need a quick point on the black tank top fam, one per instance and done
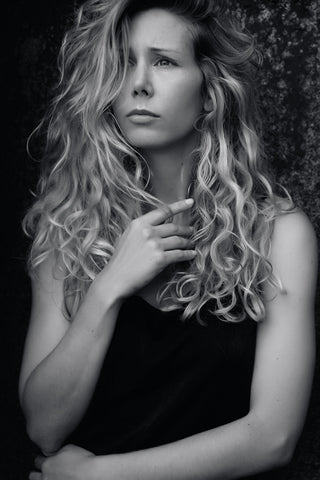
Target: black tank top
(164, 379)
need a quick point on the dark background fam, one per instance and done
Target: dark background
(288, 35)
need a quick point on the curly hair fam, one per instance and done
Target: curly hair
(94, 183)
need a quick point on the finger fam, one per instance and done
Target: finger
(170, 229)
(174, 243)
(35, 476)
(172, 256)
(159, 215)
(38, 461)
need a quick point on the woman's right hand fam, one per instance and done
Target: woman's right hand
(147, 246)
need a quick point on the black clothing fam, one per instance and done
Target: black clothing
(164, 379)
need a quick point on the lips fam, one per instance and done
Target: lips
(142, 112)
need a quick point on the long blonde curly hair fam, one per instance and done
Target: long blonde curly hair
(94, 183)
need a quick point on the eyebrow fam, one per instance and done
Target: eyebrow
(155, 49)
(158, 50)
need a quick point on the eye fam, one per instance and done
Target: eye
(165, 62)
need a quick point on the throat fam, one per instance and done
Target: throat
(149, 293)
(171, 173)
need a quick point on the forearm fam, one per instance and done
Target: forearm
(59, 389)
(240, 448)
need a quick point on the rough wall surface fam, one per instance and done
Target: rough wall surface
(287, 33)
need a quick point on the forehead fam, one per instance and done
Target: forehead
(160, 28)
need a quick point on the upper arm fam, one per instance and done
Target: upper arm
(285, 351)
(47, 323)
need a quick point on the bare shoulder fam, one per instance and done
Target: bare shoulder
(293, 230)
(294, 251)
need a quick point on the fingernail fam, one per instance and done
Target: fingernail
(189, 201)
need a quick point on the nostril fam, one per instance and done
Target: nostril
(142, 91)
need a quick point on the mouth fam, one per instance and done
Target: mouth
(142, 113)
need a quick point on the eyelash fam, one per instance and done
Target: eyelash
(162, 59)
(166, 60)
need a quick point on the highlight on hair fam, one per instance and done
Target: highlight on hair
(93, 182)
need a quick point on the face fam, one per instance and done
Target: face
(162, 78)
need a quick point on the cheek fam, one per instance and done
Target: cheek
(186, 103)
(118, 108)
(120, 103)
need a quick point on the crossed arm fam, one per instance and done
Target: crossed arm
(282, 379)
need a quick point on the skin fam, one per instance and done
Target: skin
(168, 83)
(59, 372)
(62, 360)
(266, 437)
(65, 359)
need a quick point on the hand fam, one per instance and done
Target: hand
(70, 463)
(147, 246)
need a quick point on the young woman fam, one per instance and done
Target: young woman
(171, 332)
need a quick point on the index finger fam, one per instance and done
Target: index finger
(159, 215)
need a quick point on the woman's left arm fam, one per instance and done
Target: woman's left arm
(266, 437)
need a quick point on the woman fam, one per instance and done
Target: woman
(170, 337)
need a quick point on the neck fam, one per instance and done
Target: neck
(171, 171)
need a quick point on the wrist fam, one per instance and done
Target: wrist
(110, 467)
(90, 470)
(105, 292)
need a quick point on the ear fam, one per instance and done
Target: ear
(208, 104)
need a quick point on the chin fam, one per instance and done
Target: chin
(145, 141)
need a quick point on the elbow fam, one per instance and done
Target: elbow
(278, 447)
(282, 448)
(45, 440)
(275, 444)
(41, 432)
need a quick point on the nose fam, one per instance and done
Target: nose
(141, 81)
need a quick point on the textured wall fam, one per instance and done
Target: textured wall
(288, 36)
